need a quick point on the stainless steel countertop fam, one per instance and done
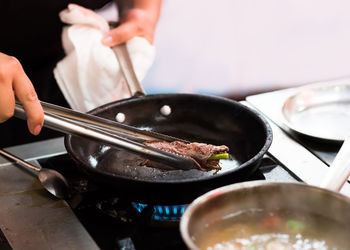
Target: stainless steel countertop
(30, 218)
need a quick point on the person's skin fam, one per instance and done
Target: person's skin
(140, 20)
(14, 82)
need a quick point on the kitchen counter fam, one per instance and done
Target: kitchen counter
(30, 218)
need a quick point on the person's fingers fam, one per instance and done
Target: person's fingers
(136, 22)
(26, 94)
(121, 34)
(7, 99)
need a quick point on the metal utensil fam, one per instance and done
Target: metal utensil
(107, 125)
(339, 170)
(51, 180)
(79, 124)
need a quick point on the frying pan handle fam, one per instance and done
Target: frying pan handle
(123, 56)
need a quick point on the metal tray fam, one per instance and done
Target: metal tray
(319, 112)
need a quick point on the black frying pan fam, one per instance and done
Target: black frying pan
(196, 118)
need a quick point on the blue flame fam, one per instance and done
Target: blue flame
(172, 212)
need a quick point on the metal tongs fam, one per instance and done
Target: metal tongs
(113, 133)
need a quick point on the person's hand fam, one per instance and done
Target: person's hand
(14, 82)
(141, 20)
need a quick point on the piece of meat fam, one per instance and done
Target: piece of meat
(198, 152)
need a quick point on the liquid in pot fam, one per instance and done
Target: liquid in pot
(278, 230)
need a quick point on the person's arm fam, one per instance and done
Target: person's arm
(140, 19)
(14, 82)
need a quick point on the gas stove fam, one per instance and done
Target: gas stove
(94, 218)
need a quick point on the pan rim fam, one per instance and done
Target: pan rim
(293, 99)
(260, 118)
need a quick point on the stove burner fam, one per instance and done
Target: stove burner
(163, 213)
(130, 211)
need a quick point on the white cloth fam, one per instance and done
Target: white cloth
(89, 75)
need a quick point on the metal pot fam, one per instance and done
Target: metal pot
(223, 202)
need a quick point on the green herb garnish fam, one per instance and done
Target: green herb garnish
(219, 156)
(295, 225)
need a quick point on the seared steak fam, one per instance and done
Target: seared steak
(198, 152)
